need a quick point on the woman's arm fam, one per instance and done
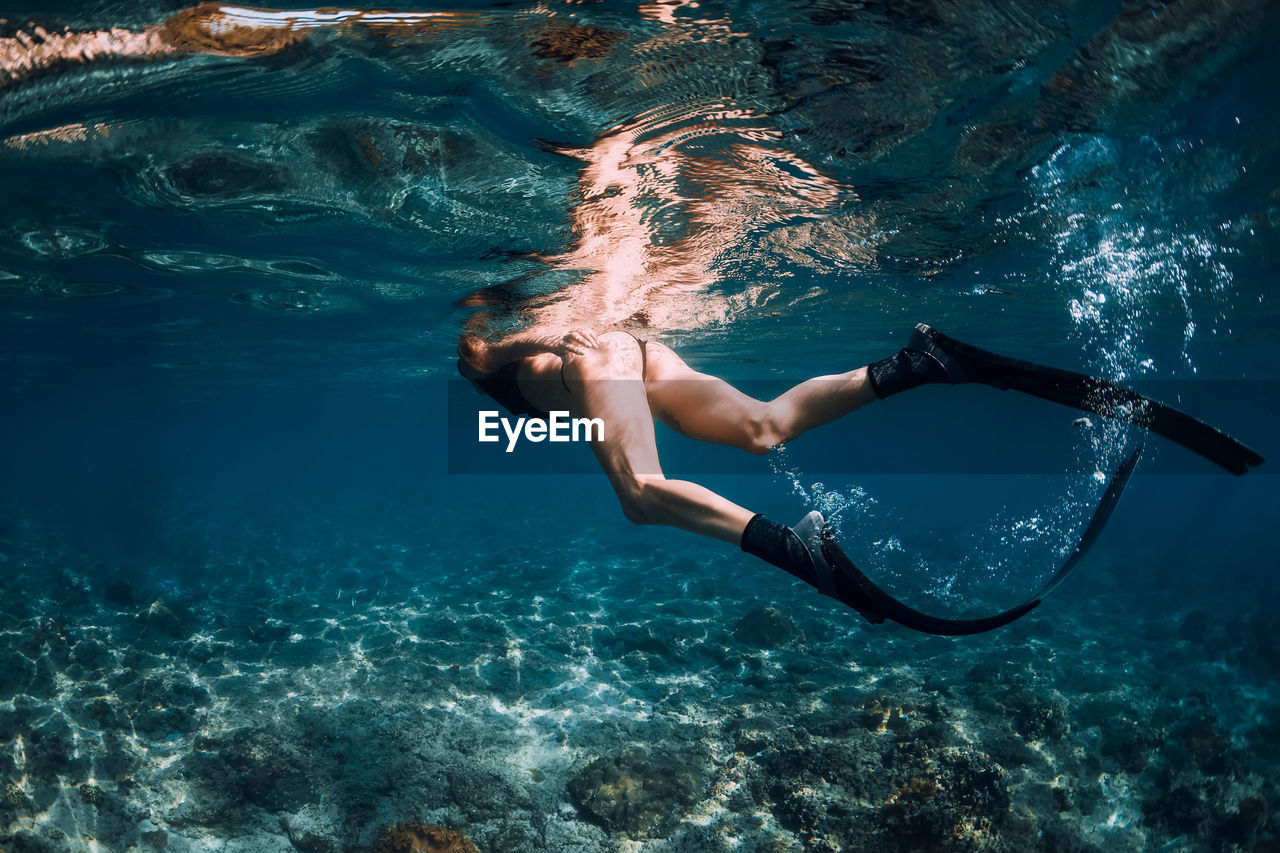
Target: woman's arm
(489, 357)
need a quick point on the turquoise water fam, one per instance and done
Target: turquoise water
(262, 590)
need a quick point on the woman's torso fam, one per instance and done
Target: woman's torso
(536, 385)
(541, 381)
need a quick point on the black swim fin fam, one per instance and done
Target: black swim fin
(839, 578)
(966, 363)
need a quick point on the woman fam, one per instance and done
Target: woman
(626, 382)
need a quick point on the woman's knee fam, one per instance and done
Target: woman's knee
(764, 429)
(641, 499)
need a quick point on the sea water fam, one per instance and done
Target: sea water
(263, 589)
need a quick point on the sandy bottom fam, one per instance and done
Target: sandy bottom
(303, 696)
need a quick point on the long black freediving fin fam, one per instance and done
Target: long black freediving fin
(851, 585)
(1101, 515)
(967, 363)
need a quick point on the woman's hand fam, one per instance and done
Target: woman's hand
(476, 354)
(485, 358)
(576, 342)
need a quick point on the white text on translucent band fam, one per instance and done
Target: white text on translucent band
(557, 426)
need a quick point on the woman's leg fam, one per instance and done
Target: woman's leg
(606, 384)
(709, 409)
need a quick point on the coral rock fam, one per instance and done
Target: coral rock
(635, 792)
(765, 628)
(418, 837)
